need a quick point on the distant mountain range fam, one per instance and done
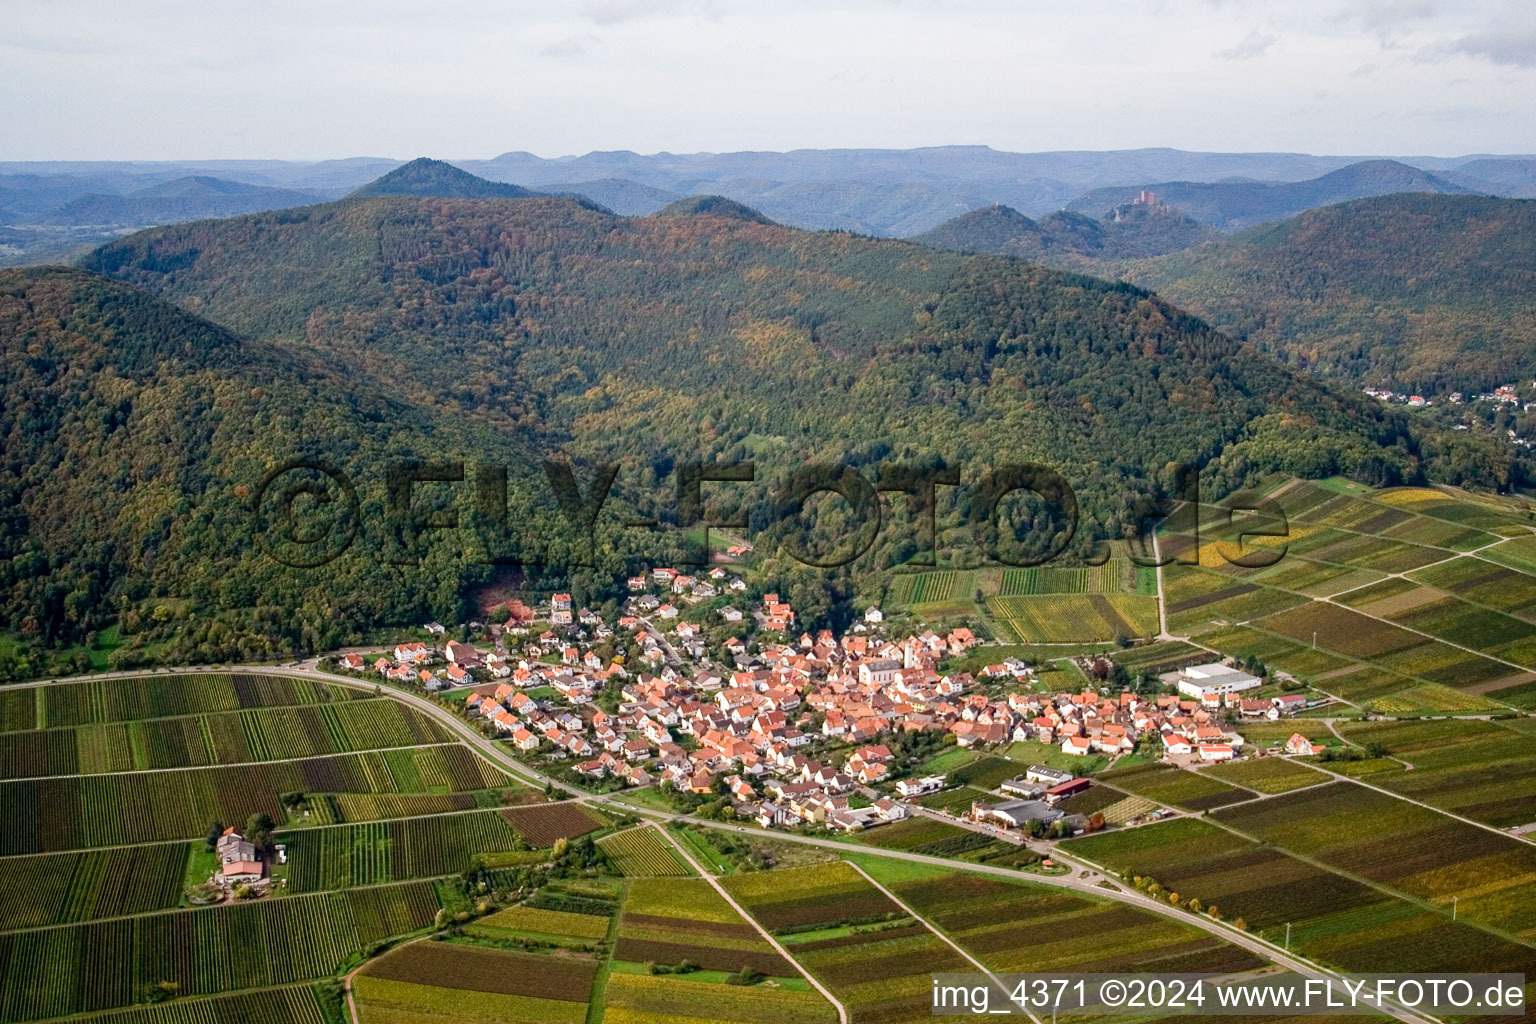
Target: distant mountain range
(1423, 293)
(180, 199)
(1066, 239)
(881, 192)
(1232, 205)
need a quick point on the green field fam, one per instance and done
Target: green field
(1072, 618)
(642, 851)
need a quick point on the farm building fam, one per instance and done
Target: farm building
(1198, 680)
(1015, 813)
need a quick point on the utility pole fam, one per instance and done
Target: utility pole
(1455, 905)
(1287, 936)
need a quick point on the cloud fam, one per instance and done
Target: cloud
(1516, 49)
(570, 46)
(1255, 44)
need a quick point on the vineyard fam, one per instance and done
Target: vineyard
(95, 701)
(77, 968)
(1115, 576)
(1335, 920)
(63, 887)
(542, 824)
(1068, 618)
(642, 851)
(341, 856)
(75, 812)
(291, 1005)
(262, 734)
(453, 981)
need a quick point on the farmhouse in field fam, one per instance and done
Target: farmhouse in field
(239, 863)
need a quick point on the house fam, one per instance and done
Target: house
(1081, 746)
(890, 810)
(873, 614)
(462, 655)
(917, 787)
(1299, 744)
(1289, 703)
(560, 610)
(1217, 752)
(410, 654)
(354, 662)
(239, 862)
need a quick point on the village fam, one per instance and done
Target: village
(811, 731)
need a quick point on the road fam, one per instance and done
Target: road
(500, 758)
(687, 855)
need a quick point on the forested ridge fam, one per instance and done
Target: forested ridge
(1421, 293)
(500, 331)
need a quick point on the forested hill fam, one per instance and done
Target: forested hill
(1424, 293)
(135, 435)
(1070, 240)
(659, 339)
(427, 177)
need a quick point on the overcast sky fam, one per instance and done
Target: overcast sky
(163, 79)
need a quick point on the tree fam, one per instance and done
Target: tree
(258, 831)
(1240, 925)
(214, 832)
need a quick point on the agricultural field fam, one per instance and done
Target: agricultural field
(986, 772)
(81, 811)
(851, 937)
(1115, 576)
(680, 999)
(642, 851)
(342, 856)
(230, 737)
(524, 920)
(801, 899)
(926, 836)
(1411, 849)
(672, 920)
(1480, 770)
(1454, 636)
(956, 801)
(290, 1005)
(921, 588)
(1157, 658)
(1268, 774)
(1334, 920)
(65, 705)
(1074, 618)
(1013, 926)
(1193, 791)
(108, 964)
(451, 982)
(542, 824)
(61, 888)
